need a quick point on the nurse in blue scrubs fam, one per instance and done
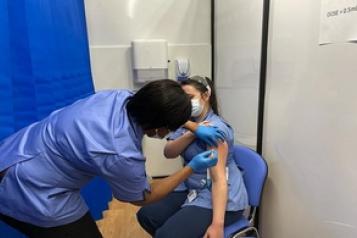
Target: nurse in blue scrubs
(44, 166)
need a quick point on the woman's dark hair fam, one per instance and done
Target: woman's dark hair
(161, 103)
(201, 84)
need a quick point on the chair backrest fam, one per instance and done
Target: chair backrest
(254, 170)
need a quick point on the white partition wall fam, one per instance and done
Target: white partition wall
(238, 28)
(113, 24)
(310, 129)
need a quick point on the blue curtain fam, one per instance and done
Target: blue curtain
(44, 65)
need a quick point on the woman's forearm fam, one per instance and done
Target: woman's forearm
(190, 125)
(219, 201)
(174, 148)
(219, 186)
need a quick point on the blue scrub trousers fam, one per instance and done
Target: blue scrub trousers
(167, 219)
(84, 227)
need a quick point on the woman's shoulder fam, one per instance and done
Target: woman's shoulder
(220, 123)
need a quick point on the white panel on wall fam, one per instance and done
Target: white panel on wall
(113, 24)
(238, 27)
(238, 108)
(310, 129)
(111, 67)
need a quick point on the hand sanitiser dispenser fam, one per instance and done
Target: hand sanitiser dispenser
(182, 69)
(150, 60)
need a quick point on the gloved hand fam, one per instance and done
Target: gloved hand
(211, 135)
(203, 160)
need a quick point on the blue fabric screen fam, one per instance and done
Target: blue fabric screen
(44, 65)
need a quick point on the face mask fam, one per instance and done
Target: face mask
(196, 107)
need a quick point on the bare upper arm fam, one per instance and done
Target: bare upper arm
(219, 171)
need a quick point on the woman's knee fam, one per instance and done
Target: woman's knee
(163, 232)
(145, 220)
(142, 216)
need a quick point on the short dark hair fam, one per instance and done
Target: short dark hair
(200, 83)
(161, 103)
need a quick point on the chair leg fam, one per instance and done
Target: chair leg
(256, 231)
(252, 228)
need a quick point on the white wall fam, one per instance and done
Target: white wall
(238, 27)
(310, 129)
(113, 24)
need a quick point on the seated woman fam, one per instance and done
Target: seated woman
(209, 199)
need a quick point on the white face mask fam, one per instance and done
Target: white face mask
(196, 107)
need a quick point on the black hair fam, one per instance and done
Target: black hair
(161, 103)
(201, 84)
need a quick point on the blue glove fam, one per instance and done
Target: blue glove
(211, 135)
(203, 160)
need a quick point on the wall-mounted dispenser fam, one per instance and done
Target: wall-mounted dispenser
(150, 60)
(182, 68)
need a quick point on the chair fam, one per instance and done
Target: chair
(254, 170)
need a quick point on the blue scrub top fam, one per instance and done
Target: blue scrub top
(49, 161)
(237, 194)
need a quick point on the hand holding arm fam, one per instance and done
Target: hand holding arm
(211, 135)
(203, 160)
